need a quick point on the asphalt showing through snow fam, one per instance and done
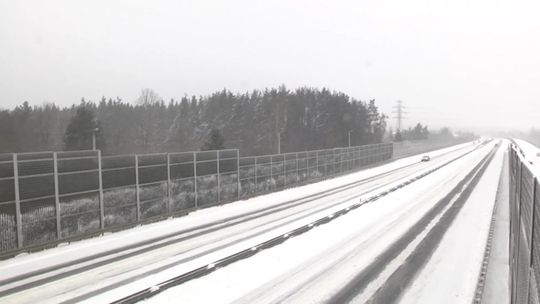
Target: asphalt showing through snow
(393, 288)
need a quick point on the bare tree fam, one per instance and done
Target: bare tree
(148, 97)
(147, 124)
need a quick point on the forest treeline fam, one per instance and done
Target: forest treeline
(418, 132)
(304, 119)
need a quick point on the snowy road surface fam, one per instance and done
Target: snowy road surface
(315, 267)
(308, 267)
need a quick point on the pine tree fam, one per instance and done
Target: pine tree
(398, 136)
(80, 130)
(215, 141)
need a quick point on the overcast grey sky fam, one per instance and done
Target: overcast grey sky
(461, 63)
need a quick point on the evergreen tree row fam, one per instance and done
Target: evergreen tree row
(303, 119)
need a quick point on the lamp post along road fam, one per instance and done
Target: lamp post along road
(279, 143)
(94, 138)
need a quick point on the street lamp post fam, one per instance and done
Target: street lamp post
(279, 143)
(94, 138)
(350, 138)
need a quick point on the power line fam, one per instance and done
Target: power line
(399, 111)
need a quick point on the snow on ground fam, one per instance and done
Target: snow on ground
(311, 267)
(532, 154)
(496, 289)
(452, 273)
(30, 262)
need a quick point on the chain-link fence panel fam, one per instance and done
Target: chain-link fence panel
(263, 174)
(119, 180)
(77, 177)
(8, 214)
(50, 196)
(228, 175)
(182, 176)
(36, 185)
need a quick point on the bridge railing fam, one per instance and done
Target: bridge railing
(52, 197)
(524, 230)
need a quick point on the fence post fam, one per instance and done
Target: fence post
(340, 161)
(334, 161)
(325, 164)
(297, 174)
(238, 174)
(271, 173)
(100, 181)
(218, 181)
(317, 163)
(137, 187)
(195, 178)
(349, 166)
(169, 209)
(256, 177)
(17, 201)
(56, 195)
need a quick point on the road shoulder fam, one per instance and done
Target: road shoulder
(496, 289)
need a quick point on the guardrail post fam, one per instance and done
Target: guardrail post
(238, 188)
(218, 179)
(195, 178)
(137, 187)
(169, 200)
(56, 195)
(100, 181)
(17, 201)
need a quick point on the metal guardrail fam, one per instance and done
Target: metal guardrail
(51, 197)
(524, 230)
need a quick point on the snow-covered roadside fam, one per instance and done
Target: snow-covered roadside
(532, 154)
(89, 247)
(310, 267)
(496, 288)
(452, 273)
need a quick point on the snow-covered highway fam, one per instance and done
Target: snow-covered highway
(352, 258)
(358, 257)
